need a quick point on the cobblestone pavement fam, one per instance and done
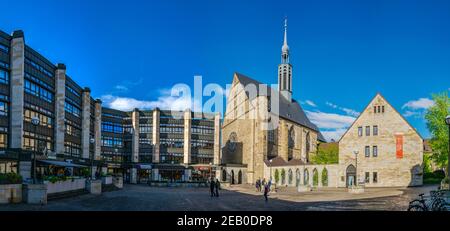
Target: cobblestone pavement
(142, 197)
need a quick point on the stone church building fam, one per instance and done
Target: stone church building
(263, 125)
(266, 133)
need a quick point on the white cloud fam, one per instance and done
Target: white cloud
(164, 101)
(121, 88)
(310, 103)
(420, 104)
(347, 111)
(412, 113)
(333, 134)
(331, 125)
(330, 120)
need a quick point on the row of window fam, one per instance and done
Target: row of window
(72, 109)
(4, 48)
(111, 115)
(3, 140)
(172, 142)
(3, 108)
(4, 77)
(171, 128)
(145, 128)
(108, 141)
(39, 109)
(37, 80)
(374, 151)
(72, 149)
(39, 67)
(36, 90)
(374, 177)
(32, 143)
(112, 127)
(4, 65)
(73, 91)
(202, 144)
(44, 120)
(374, 132)
(378, 109)
(202, 130)
(73, 131)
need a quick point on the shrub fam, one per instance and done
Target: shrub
(10, 178)
(283, 176)
(277, 176)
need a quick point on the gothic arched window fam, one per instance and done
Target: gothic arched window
(291, 138)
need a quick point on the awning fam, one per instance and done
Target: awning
(61, 163)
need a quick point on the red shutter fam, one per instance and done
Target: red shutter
(399, 146)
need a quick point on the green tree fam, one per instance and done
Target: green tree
(327, 153)
(283, 176)
(277, 176)
(435, 117)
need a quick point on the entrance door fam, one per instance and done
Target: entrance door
(350, 175)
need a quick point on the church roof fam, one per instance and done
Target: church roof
(279, 162)
(288, 110)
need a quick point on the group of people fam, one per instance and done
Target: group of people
(263, 185)
(214, 186)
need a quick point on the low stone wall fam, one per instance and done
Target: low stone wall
(10, 193)
(66, 186)
(35, 193)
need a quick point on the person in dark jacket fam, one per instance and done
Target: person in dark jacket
(217, 187)
(266, 192)
(212, 186)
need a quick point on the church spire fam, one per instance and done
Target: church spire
(285, 69)
(285, 48)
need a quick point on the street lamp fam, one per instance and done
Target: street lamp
(35, 122)
(92, 141)
(356, 167)
(447, 121)
(210, 171)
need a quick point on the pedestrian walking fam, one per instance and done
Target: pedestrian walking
(266, 192)
(212, 187)
(257, 185)
(217, 186)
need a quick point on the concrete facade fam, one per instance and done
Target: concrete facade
(187, 137)
(86, 123)
(17, 89)
(60, 99)
(155, 135)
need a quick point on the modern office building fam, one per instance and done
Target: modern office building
(74, 128)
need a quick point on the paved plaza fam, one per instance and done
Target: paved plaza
(237, 198)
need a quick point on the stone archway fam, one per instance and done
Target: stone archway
(290, 177)
(350, 175)
(224, 175)
(305, 177)
(325, 177)
(297, 177)
(240, 177)
(315, 177)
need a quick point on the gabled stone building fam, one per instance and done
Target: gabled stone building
(381, 149)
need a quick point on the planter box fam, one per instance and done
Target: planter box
(10, 193)
(66, 186)
(35, 193)
(107, 180)
(94, 186)
(118, 181)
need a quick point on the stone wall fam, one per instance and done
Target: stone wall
(391, 171)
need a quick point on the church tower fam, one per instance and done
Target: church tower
(285, 69)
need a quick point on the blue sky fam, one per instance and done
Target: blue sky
(343, 52)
